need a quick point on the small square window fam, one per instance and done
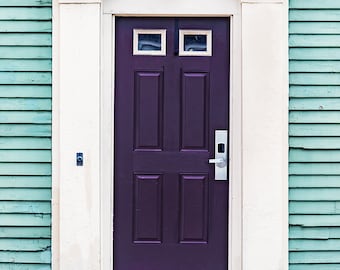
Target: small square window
(195, 42)
(149, 41)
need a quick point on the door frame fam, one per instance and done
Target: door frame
(107, 116)
(83, 41)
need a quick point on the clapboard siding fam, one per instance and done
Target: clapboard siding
(305, 66)
(25, 257)
(313, 181)
(25, 181)
(310, 129)
(314, 65)
(313, 195)
(25, 117)
(25, 91)
(314, 233)
(314, 78)
(25, 39)
(25, 65)
(313, 53)
(315, 168)
(314, 207)
(26, 26)
(25, 134)
(25, 232)
(316, 40)
(314, 4)
(313, 104)
(25, 52)
(25, 156)
(24, 13)
(303, 155)
(314, 267)
(16, 266)
(313, 15)
(312, 117)
(27, 207)
(25, 130)
(313, 91)
(314, 28)
(24, 244)
(25, 3)
(25, 143)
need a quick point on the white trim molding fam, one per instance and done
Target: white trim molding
(171, 8)
(76, 121)
(79, 1)
(83, 107)
(264, 136)
(107, 151)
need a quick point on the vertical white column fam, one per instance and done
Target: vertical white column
(265, 135)
(79, 131)
(107, 125)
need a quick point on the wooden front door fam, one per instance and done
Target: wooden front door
(171, 95)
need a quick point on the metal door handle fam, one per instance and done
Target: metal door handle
(216, 160)
(221, 155)
(220, 162)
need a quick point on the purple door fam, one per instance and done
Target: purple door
(171, 95)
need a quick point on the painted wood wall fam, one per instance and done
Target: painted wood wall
(314, 134)
(25, 134)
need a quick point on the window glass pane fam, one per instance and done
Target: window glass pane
(149, 42)
(195, 43)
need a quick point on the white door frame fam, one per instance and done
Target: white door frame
(107, 117)
(83, 41)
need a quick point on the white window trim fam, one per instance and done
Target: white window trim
(251, 244)
(161, 32)
(183, 32)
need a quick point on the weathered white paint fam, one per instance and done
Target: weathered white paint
(258, 231)
(79, 131)
(264, 136)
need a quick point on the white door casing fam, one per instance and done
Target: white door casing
(83, 83)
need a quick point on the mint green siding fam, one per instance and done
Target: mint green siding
(314, 41)
(25, 134)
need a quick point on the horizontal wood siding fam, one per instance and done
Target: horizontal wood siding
(314, 40)
(25, 134)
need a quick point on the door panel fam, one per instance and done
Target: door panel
(148, 203)
(148, 109)
(193, 209)
(194, 110)
(170, 213)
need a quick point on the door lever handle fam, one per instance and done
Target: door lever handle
(220, 162)
(221, 159)
(216, 160)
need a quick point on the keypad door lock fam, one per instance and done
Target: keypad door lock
(221, 155)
